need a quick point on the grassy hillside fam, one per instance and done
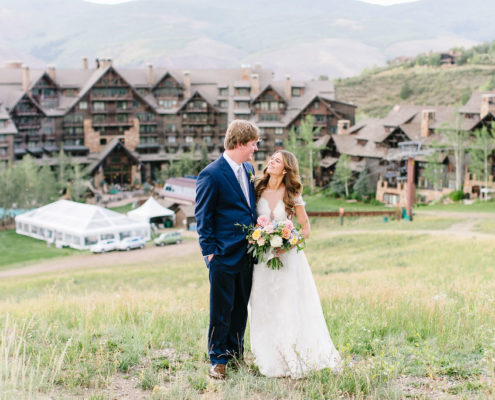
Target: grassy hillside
(376, 92)
(412, 315)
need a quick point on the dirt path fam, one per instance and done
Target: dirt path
(462, 229)
(149, 253)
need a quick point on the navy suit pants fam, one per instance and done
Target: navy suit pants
(230, 288)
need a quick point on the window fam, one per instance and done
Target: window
(47, 130)
(98, 106)
(296, 92)
(274, 105)
(269, 117)
(223, 103)
(99, 118)
(167, 103)
(3, 151)
(189, 139)
(103, 141)
(3, 138)
(316, 105)
(223, 91)
(260, 156)
(207, 139)
(242, 91)
(279, 142)
(242, 104)
(83, 105)
(172, 139)
(171, 128)
(279, 131)
(122, 105)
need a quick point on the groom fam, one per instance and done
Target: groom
(225, 197)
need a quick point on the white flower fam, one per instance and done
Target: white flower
(276, 241)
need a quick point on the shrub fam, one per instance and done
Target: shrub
(456, 195)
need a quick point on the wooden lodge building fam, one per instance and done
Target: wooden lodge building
(126, 125)
(379, 144)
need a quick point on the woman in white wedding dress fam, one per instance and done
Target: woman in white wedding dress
(289, 336)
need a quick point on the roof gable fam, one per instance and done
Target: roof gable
(268, 87)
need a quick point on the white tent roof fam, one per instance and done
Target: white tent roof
(79, 218)
(150, 209)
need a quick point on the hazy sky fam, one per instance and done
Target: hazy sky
(381, 2)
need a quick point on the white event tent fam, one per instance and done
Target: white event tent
(78, 225)
(151, 209)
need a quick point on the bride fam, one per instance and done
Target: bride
(289, 336)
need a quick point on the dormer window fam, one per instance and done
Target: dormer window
(296, 91)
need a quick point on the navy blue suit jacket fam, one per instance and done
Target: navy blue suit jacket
(220, 204)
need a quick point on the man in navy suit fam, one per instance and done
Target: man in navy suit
(225, 197)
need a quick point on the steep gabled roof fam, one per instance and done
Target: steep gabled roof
(102, 155)
(269, 86)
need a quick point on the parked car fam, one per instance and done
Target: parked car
(104, 246)
(168, 238)
(132, 243)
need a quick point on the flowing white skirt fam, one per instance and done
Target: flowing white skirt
(289, 336)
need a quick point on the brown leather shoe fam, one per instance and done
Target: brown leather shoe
(217, 371)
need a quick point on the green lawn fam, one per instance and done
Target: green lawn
(122, 209)
(320, 202)
(486, 226)
(412, 316)
(20, 249)
(478, 206)
(420, 222)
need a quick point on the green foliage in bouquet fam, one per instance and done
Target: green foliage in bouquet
(266, 237)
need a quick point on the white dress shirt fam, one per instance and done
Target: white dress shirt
(235, 167)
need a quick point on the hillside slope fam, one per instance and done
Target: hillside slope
(375, 93)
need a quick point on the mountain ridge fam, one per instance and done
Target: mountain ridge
(336, 38)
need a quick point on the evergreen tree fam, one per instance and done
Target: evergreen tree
(302, 144)
(456, 139)
(362, 186)
(342, 176)
(434, 171)
(481, 151)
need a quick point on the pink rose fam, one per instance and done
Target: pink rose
(263, 221)
(261, 241)
(268, 228)
(289, 224)
(286, 233)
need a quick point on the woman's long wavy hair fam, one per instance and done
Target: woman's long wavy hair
(291, 180)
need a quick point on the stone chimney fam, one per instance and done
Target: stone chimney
(109, 62)
(288, 88)
(187, 84)
(245, 72)
(25, 78)
(427, 118)
(150, 78)
(52, 72)
(343, 127)
(487, 104)
(13, 64)
(85, 62)
(255, 85)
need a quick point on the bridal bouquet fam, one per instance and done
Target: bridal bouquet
(267, 236)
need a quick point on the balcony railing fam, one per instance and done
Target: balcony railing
(113, 122)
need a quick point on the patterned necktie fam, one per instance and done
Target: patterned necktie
(241, 182)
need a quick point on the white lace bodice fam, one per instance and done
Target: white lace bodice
(277, 214)
(271, 204)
